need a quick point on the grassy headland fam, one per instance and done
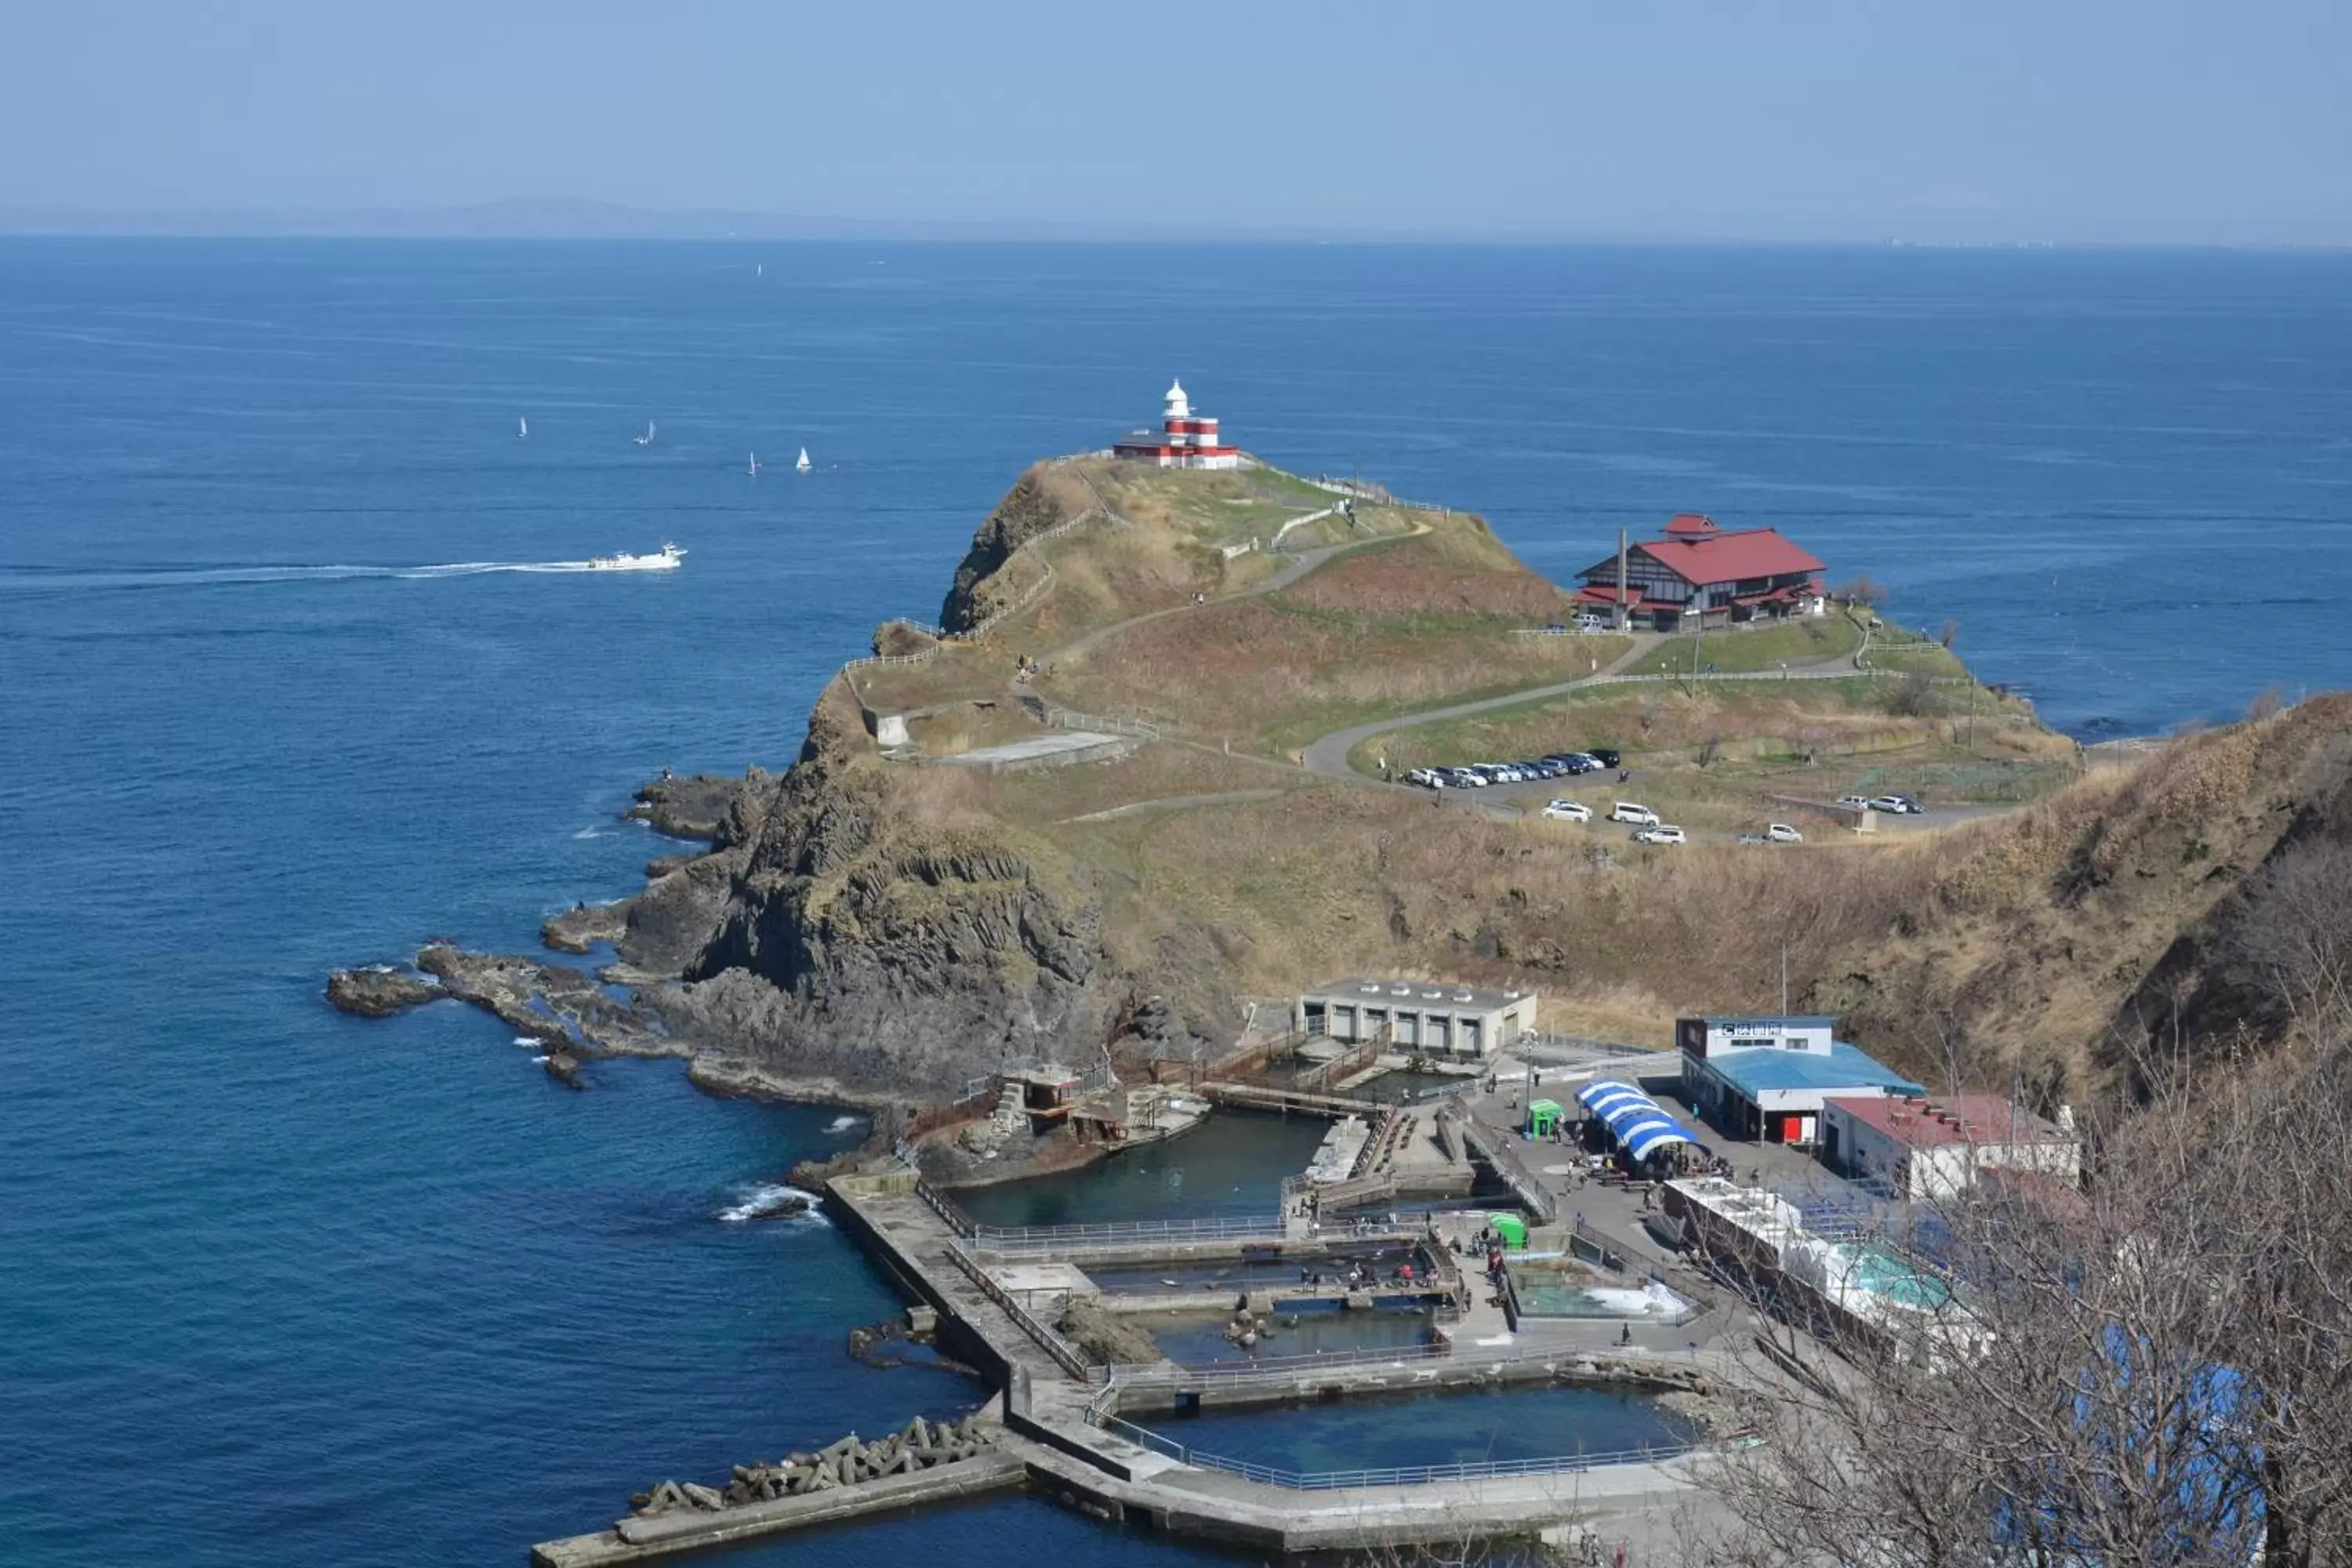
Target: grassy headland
(1042, 909)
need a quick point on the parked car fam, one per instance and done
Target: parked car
(1569, 811)
(1470, 778)
(1591, 624)
(1555, 629)
(1751, 838)
(1781, 833)
(1853, 801)
(1427, 778)
(1639, 816)
(1664, 833)
(1606, 757)
(1910, 803)
(1893, 804)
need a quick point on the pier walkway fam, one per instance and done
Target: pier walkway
(1065, 1430)
(1065, 1421)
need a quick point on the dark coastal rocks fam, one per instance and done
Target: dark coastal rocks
(666, 928)
(553, 1003)
(378, 991)
(1105, 1337)
(695, 807)
(1039, 501)
(781, 1205)
(582, 926)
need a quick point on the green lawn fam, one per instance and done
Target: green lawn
(1809, 640)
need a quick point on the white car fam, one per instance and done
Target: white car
(1569, 811)
(1664, 833)
(1893, 804)
(1853, 801)
(1639, 816)
(1781, 833)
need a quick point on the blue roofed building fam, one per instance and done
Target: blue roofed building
(1767, 1076)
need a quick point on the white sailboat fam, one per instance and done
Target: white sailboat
(647, 438)
(522, 429)
(666, 561)
(755, 465)
(803, 466)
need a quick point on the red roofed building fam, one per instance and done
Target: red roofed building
(1184, 439)
(1713, 575)
(1933, 1147)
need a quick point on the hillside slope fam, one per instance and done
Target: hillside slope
(880, 917)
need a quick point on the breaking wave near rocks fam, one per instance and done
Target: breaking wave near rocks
(771, 1200)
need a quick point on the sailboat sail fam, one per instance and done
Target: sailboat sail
(803, 464)
(522, 429)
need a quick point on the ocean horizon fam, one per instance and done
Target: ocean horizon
(305, 667)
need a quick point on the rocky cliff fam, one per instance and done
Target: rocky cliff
(844, 933)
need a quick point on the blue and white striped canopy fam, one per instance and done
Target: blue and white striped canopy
(1632, 1117)
(1592, 1095)
(1656, 1132)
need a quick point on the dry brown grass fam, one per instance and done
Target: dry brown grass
(1389, 629)
(2003, 947)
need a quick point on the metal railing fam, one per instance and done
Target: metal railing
(1393, 1476)
(1581, 1046)
(1290, 1369)
(1048, 1339)
(945, 1207)
(1069, 719)
(1068, 1238)
(1496, 1146)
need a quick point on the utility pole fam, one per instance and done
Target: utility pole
(1784, 981)
(1623, 616)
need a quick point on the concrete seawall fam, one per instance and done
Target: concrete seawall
(637, 1540)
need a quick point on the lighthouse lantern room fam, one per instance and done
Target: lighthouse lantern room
(1184, 439)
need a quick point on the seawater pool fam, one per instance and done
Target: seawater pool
(1275, 1274)
(1194, 1341)
(1463, 1426)
(1232, 1164)
(1883, 1274)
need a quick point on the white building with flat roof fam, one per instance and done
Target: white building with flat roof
(1418, 1017)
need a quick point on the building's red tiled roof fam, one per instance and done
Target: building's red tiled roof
(1606, 594)
(1730, 557)
(1691, 525)
(1952, 1118)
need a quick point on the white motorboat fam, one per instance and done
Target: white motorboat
(666, 560)
(522, 429)
(803, 466)
(647, 438)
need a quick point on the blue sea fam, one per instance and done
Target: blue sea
(293, 673)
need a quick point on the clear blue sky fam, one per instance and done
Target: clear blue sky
(2124, 120)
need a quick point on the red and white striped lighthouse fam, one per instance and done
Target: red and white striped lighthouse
(1184, 439)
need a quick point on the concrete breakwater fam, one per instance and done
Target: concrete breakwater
(1062, 1434)
(919, 1464)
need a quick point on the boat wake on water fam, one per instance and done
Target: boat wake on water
(667, 559)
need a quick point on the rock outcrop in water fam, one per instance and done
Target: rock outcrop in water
(378, 991)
